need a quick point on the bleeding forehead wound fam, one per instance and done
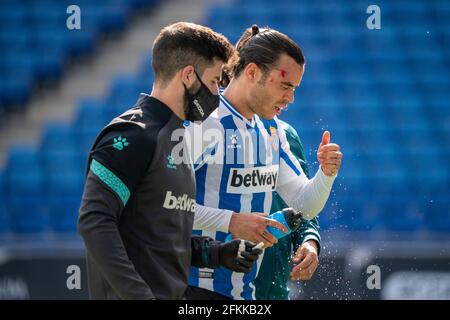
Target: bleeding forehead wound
(283, 73)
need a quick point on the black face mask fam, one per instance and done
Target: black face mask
(200, 104)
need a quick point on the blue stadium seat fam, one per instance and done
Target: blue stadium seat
(28, 214)
(37, 67)
(124, 93)
(87, 137)
(13, 15)
(64, 42)
(15, 90)
(91, 114)
(49, 13)
(402, 214)
(35, 41)
(24, 174)
(20, 62)
(67, 183)
(437, 213)
(5, 218)
(353, 214)
(63, 214)
(107, 16)
(16, 39)
(62, 153)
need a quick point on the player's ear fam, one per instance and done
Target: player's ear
(251, 71)
(187, 75)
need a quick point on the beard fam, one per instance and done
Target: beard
(258, 103)
(185, 103)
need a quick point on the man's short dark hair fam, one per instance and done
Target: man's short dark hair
(182, 44)
(262, 47)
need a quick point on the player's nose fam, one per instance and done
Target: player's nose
(289, 97)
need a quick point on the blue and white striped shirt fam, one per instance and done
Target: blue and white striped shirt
(239, 164)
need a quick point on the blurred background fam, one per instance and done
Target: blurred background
(384, 95)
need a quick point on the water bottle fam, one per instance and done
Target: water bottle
(290, 218)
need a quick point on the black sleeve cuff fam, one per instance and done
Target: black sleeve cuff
(205, 252)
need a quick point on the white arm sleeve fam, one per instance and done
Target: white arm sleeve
(201, 141)
(201, 144)
(308, 196)
(212, 219)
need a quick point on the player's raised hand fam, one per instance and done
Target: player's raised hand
(329, 156)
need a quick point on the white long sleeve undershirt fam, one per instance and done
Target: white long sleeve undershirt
(308, 196)
(212, 219)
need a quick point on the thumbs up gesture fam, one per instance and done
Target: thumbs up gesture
(329, 156)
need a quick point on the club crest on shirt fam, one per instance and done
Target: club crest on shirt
(234, 143)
